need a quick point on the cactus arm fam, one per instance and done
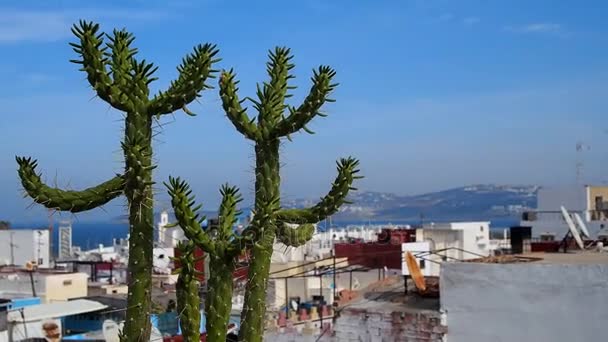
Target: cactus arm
(182, 202)
(218, 301)
(278, 70)
(194, 71)
(228, 211)
(347, 173)
(295, 237)
(271, 97)
(63, 200)
(298, 118)
(94, 60)
(232, 106)
(188, 300)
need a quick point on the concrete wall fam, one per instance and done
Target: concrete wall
(61, 287)
(573, 198)
(49, 287)
(27, 245)
(524, 302)
(383, 326)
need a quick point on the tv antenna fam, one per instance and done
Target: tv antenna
(580, 148)
(12, 245)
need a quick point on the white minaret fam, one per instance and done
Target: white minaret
(164, 221)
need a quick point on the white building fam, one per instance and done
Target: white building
(474, 238)
(50, 287)
(590, 202)
(21, 246)
(65, 240)
(169, 237)
(322, 243)
(448, 242)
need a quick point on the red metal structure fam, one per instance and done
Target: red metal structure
(385, 252)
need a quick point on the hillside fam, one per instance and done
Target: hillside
(477, 202)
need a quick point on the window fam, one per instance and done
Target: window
(161, 256)
(481, 229)
(67, 282)
(422, 264)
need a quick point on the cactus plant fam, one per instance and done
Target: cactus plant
(270, 221)
(221, 244)
(123, 82)
(188, 300)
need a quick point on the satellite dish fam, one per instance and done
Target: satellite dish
(573, 230)
(415, 272)
(582, 225)
(110, 331)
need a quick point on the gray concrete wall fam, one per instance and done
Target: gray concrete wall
(525, 302)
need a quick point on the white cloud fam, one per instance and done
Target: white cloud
(471, 20)
(48, 26)
(544, 28)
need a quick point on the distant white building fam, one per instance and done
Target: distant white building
(448, 242)
(168, 237)
(65, 240)
(590, 202)
(21, 246)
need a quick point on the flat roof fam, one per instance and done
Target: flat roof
(571, 258)
(54, 310)
(390, 297)
(16, 295)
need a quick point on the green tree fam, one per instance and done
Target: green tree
(121, 80)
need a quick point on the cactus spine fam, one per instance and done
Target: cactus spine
(270, 221)
(123, 82)
(221, 244)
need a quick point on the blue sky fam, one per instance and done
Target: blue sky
(434, 94)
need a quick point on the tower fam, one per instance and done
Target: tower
(162, 229)
(65, 240)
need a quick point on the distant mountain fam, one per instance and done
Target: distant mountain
(474, 202)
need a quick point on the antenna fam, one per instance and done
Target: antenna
(580, 164)
(12, 245)
(51, 224)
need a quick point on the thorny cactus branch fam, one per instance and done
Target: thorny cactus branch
(298, 118)
(329, 205)
(188, 300)
(219, 242)
(232, 106)
(94, 61)
(194, 71)
(295, 237)
(270, 222)
(278, 69)
(126, 87)
(187, 217)
(64, 200)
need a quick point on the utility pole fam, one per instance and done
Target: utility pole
(12, 245)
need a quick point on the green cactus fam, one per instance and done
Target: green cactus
(221, 244)
(123, 82)
(270, 221)
(188, 300)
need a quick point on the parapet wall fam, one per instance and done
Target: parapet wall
(370, 325)
(525, 301)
